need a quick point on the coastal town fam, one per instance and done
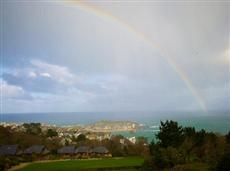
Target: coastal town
(22, 143)
(27, 142)
(96, 131)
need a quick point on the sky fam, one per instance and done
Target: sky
(71, 56)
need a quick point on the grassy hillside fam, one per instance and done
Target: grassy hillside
(73, 165)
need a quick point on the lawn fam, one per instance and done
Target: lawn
(120, 164)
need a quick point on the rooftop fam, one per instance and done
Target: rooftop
(66, 150)
(36, 149)
(8, 149)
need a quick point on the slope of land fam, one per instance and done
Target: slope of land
(120, 164)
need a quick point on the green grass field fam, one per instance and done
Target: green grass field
(121, 164)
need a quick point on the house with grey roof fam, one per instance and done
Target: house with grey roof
(36, 149)
(83, 151)
(101, 151)
(8, 150)
(67, 150)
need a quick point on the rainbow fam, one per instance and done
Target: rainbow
(109, 17)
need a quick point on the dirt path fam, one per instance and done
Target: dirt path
(21, 165)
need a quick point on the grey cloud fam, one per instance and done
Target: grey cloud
(12, 92)
(80, 55)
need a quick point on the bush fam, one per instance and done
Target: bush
(51, 133)
(148, 165)
(163, 158)
(191, 167)
(224, 163)
(7, 162)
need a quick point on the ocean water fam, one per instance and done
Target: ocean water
(218, 122)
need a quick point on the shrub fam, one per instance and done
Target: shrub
(223, 164)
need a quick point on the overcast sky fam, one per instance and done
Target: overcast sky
(61, 56)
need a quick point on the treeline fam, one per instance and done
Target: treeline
(183, 148)
(32, 135)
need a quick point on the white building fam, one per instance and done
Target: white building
(132, 140)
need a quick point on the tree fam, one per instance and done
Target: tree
(227, 137)
(51, 133)
(177, 146)
(153, 147)
(80, 138)
(189, 132)
(141, 146)
(33, 128)
(170, 134)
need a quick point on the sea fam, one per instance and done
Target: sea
(215, 121)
